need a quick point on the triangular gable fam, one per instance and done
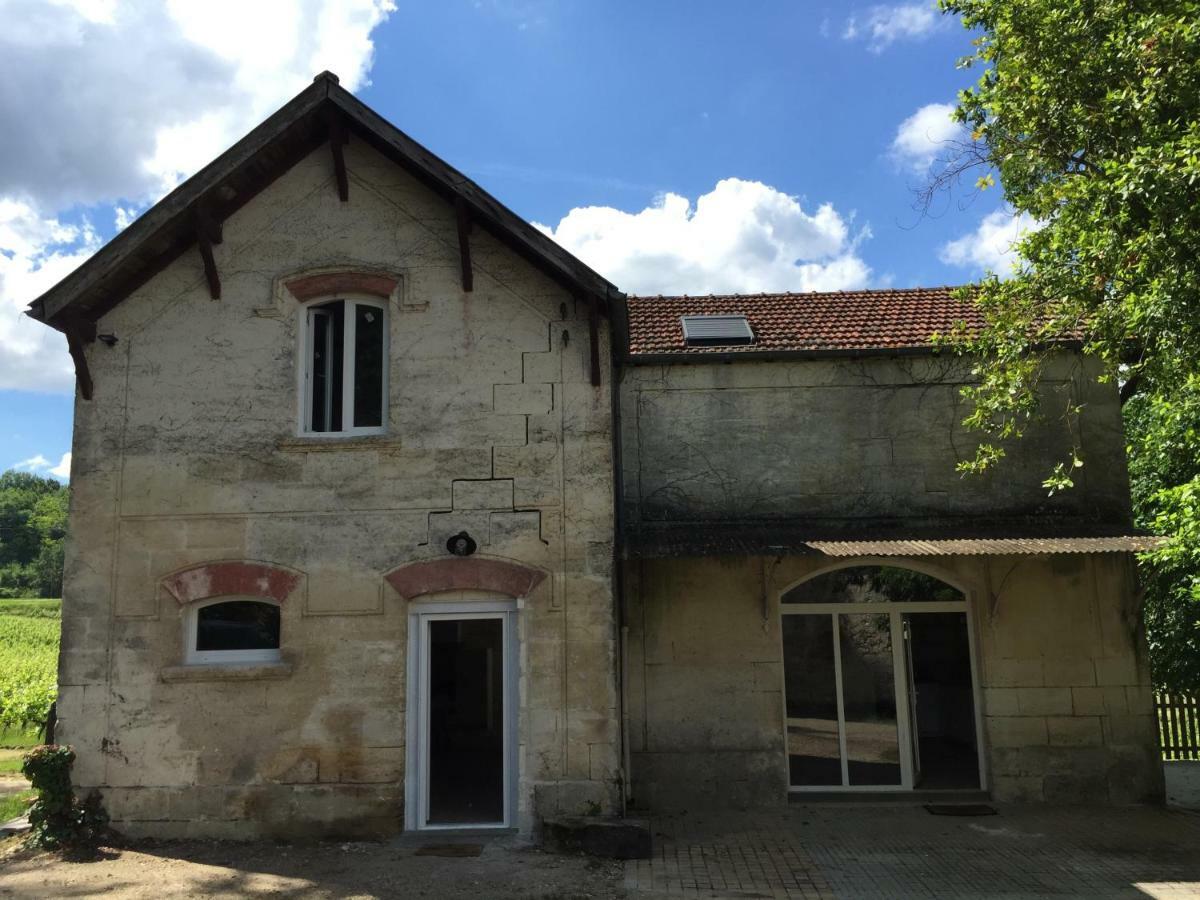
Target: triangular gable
(191, 215)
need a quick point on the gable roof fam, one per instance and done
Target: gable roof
(830, 322)
(222, 187)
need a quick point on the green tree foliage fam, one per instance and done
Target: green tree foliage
(33, 523)
(1089, 110)
(1164, 469)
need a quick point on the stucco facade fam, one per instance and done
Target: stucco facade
(188, 455)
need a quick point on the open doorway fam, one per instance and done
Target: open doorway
(466, 721)
(461, 715)
(942, 701)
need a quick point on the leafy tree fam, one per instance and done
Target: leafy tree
(33, 524)
(1089, 111)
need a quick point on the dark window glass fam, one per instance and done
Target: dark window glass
(872, 584)
(869, 699)
(814, 751)
(368, 366)
(328, 328)
(237, 625)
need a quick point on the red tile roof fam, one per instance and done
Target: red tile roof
(841, 320)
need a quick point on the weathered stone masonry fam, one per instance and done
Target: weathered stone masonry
(192, 481)
(849, 444)
(186, 457)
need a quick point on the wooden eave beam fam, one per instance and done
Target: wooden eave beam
(205, 232)
(338, 138)
(111, 292)
(208, 224)
(106, 275)
(463, 217)
(485, 209)
(80, 332)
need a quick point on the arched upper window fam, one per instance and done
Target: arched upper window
(233, 630)
(873, 584)
(344, 358)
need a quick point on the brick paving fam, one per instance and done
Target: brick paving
(901, 851)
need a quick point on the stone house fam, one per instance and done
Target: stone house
(387, 513)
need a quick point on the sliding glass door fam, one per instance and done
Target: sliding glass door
(856, 719)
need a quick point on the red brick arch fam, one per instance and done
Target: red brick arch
(229, 578)
(472, 573)
(349, 281)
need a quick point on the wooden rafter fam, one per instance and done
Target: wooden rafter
(208, 225)
(338, 138)
(80, 332)
(204, 242)
(463, 216)
(168, 230)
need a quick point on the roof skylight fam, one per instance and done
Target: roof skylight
(716, 331)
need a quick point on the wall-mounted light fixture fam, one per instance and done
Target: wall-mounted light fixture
(462, 544)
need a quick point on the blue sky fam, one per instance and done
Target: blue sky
(798, 109)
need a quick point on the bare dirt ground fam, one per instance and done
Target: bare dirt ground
(262, 869)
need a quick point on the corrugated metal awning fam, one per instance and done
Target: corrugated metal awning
(993, 546)
(663, 540)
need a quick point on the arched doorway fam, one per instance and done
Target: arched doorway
(879, 682)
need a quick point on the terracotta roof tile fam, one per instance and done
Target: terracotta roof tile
(842, 320)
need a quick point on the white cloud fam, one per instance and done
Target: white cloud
(32, 464)
(35, 253)
(123, 215)
(925, 135)
(990, 246)
(742, 236)
(115, 103)
(63, 469)
(39, 465)
(882, 25)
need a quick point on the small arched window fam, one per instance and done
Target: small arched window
(233, 630)
(343, 351)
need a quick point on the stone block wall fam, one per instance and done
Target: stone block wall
(851, 442)
(189, 454)
(1069, 711)
(1065, 701)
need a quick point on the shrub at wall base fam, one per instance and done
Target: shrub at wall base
(57, 819)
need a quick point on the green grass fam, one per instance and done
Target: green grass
(32, 608)
(13, 805)
(18, 738)
(29, 632)
(10, 762)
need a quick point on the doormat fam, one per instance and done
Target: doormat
(458, 850)
(960, 809)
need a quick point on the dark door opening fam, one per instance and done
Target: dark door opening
(946, 755)
(466, 721)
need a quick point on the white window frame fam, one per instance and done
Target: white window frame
(416, 776)
(895, 610)
(191, 622)
(304, 375)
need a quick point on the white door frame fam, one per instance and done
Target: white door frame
(904, 727)
(416, 769)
